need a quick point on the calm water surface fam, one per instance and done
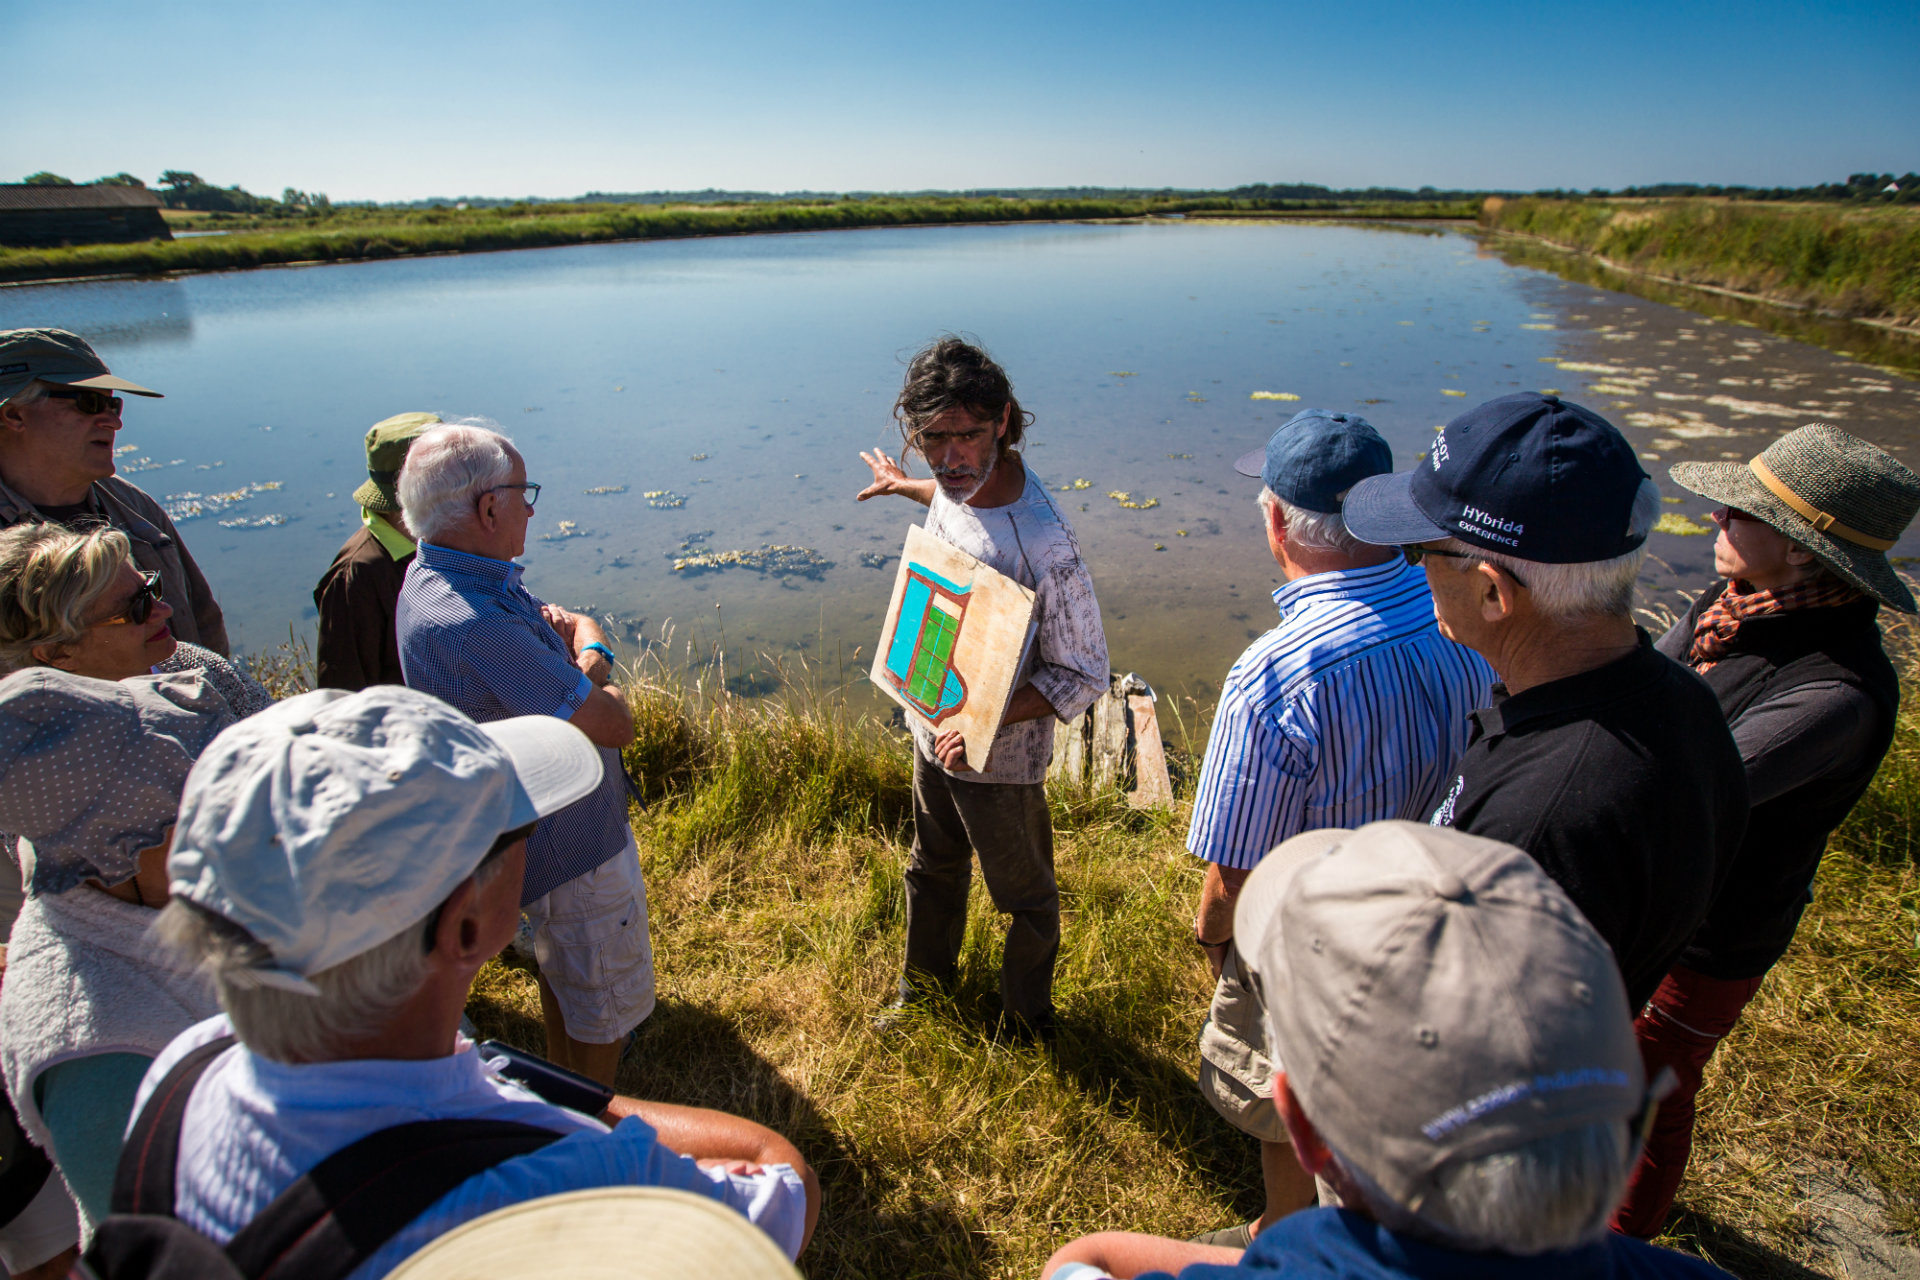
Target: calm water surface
(737, 379)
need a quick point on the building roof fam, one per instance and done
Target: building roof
(21, 196)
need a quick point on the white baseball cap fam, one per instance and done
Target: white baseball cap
(328, 823)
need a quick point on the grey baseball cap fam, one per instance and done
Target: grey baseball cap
(54, 355)
(1435, 997)
(91, 770)
(328, 823)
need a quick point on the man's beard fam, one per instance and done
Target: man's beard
(977, 479)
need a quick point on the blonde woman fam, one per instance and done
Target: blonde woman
(76, 600)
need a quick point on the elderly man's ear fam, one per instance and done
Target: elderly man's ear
(1308, 1147)
(1497, 592)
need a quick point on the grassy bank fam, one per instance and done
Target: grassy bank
(355, 234)
(774, 841)
(1408, 210)
(1847, 261)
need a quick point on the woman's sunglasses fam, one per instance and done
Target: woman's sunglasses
(87, 400)
(140, 607)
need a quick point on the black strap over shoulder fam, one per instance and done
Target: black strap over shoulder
(144, 1181)
(323, 1226)
(358, 1198)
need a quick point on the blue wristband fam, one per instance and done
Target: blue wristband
(596, 647)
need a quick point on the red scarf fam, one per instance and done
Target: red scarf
(1720, 621)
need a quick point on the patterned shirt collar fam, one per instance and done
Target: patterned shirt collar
(465, 564)
(1339, 584)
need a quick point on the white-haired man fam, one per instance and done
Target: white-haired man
(1351, 710)
(1460, 1068)
(471, 634)
(1607, 761)
(343, 865)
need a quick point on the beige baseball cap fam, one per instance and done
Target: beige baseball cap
(1434, 997)
(610, 1233)
(54, 355)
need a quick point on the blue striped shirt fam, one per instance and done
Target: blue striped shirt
(472, 636)
(1353, 709)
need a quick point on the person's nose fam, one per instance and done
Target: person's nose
(161, 611)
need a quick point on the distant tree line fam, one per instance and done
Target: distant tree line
(1859, 188)
(183, 189)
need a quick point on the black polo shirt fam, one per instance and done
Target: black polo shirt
(1624, 784)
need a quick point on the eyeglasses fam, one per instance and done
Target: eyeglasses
(530, 493)
(140, 607)
(87, 400)
(1415, 554)
(1726, 514)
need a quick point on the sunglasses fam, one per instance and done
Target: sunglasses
(87, 400)
(1728, 514)
(529, 492)
(140, 607)
(1415, 554)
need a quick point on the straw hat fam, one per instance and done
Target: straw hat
(611, 1233)
(1841, 498)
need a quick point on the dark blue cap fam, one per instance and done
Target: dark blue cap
(1528, 475)
(1316, 456)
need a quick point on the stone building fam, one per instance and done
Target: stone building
(47, 217)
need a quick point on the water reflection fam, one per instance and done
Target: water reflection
(695, 408)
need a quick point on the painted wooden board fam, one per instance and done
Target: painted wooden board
(955, 635)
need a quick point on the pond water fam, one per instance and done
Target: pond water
(736, 379)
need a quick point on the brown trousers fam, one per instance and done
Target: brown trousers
(1007, 826)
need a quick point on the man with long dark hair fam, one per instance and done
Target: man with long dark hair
(957, 411)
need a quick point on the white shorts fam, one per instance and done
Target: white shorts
(590, 939)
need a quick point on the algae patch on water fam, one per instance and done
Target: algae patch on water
(664, 499)
(1679, 525)
(1273, 395)
(601, 489)
(779, 559)
(1131, 503)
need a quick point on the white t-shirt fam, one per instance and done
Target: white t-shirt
(254, 1126)
(1030, 541)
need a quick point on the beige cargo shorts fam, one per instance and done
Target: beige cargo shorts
(1236, 1064)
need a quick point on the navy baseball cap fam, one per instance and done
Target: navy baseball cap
(1316, 457)
(1528, 475)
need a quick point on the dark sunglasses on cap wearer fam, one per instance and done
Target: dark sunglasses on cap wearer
(1414, 553)
(1726, 514)
(140, 607)
(88, 400)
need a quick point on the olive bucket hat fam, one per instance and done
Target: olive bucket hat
(387, 443)
(1841, 498)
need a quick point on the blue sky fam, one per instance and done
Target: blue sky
(397, 100)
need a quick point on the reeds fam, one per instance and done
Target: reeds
(1844, 260)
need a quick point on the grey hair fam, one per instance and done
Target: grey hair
(32, 393)
(1311, 530)
(1593, 589)
(447, 470)
(52, 579)
(1554, 1193)
(356, 996)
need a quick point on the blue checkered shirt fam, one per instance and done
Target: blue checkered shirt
(1352, 710)
(472, 636)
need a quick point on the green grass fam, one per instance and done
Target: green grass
(1410, 210)
(774, 841)
(354, 234)
(1848, 261)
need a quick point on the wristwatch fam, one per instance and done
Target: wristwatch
(1204, 945)
(596, 647)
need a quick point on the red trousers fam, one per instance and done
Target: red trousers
(1680, 1028)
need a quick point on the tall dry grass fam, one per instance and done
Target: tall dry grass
(774, 839)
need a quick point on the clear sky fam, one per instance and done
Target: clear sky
(396, 100)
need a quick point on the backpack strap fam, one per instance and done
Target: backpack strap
(349, 1205)
(143, 1182)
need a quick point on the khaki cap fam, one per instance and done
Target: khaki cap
(612, 1233)
(54, 355)
(1435, 997)
(387, 443)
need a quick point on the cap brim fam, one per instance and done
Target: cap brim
(1380, 510)
(1256, 914)
(1733, 484)
(374, 498)
(553, 762)
(107, 382)
(1253, 464)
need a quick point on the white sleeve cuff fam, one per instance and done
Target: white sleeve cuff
(1081, 1271)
